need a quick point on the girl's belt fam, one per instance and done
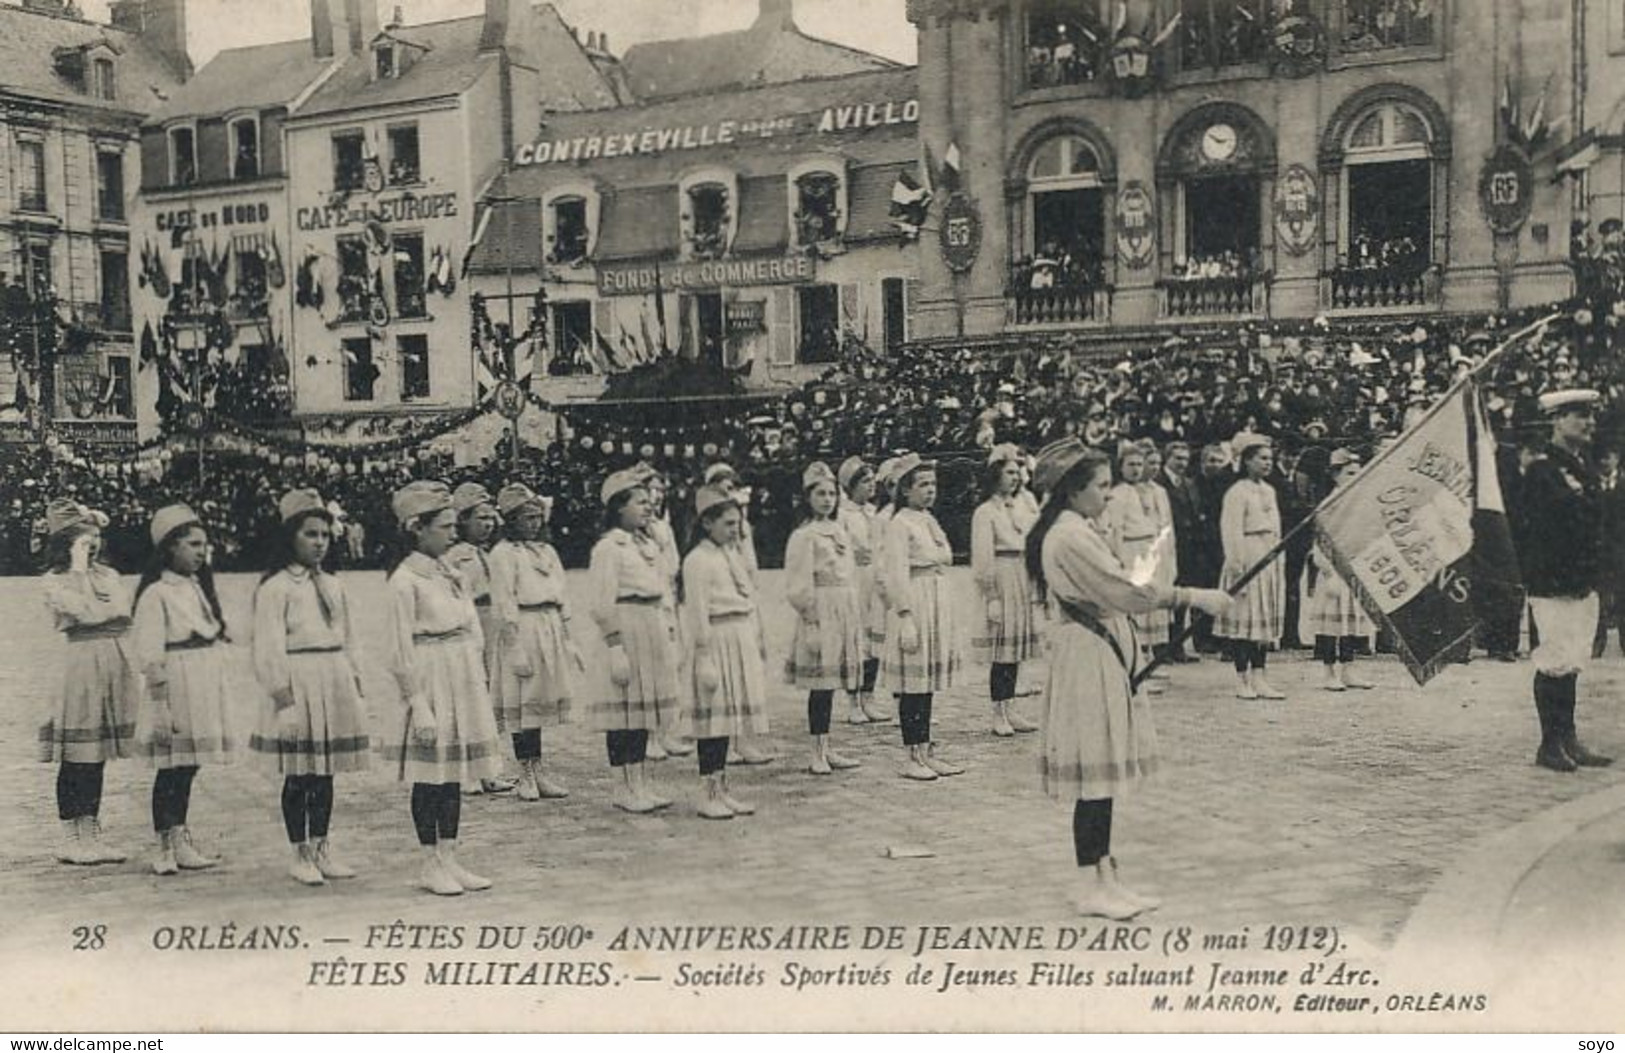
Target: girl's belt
(1086, 618)
(642, 601)
(1137, 539)
(545, 605)
(1008, 553)
(441, 637)
(932, 571)
(1258, 533)
(729, 616)
(823, 581)
(107, 630)
(320, 649)
(191, 643)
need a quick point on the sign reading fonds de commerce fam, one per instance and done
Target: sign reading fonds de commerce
(647, 141)
(641, 279)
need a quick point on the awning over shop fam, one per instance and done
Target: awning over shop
(640, 222)
(869, 199)
(764, 225)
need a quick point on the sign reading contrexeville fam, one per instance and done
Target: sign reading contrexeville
(1422, 536)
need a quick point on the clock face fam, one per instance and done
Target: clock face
(1219, 143)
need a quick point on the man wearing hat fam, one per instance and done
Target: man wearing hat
(1562, 566)
(477, 523)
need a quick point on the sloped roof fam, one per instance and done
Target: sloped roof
(763, 54)
(257, 77)
(570, 80)
(28, 40)
(448, 63)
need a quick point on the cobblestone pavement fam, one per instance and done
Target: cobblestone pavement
(1325, 808)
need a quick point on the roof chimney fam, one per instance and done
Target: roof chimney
(494, 33)
(321, 29)
(361, 18)
(776, 14)
(342, 26)
(161, 24)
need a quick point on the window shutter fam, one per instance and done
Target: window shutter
(853, 317)
(784, 327)
(911, 297)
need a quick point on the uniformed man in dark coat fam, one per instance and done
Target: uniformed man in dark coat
(1611, 484)
(1182, 502)
(1562, 566)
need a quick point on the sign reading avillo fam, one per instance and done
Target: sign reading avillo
(649, 141)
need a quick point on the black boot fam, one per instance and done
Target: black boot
(1565, 690)
(1550, 754)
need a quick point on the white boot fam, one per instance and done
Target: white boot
(100, 850)
(627, 798)
(435, 877)
(186, 854)
(1017, 722)
(76, 848)
(855, 709)
(739, 807)
(1244, 685)
(674, 744)
(1354, 683)
(938, 764)
(459, 873)
(646, 789)
(915, 767)
(527, 790)
(1333, 682)
(877, 713)
(839, 761)
(163, 864)
(331, 868)
(820, 760)
(303, 868)
(1098, 897)
(711, 804)
(1264, 688)
(546, 787)
(1141, 900)
(1001, 721)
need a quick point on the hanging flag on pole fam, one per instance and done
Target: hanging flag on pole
(950, 168)
(480, 226)
(1422, 537)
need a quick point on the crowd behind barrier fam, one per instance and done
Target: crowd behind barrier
(1314, 387)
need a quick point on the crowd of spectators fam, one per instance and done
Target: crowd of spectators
(1313, 386)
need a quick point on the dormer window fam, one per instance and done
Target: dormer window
(182, 156)
(817, 206)
(709, 218)
(245, 148)
(384, 66)
(569, 230)
(106, 88)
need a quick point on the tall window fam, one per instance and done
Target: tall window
(1371, 25)
(819, 311)
(252, 295)
(182, 157)
(1223, 32)
(894, 311)
(569, 230)
(709, 208)
(349, 168)
(383, 62)
(572, 338)
(818, 211)
(413, 350)
(37, 277)
(109, 185)
(1066, 218)
(1065, 42)
(105, 86)
(115, 268)
(355, 278)
(31, 175)
(118, 372)
(1388, 217)
(410, 299)
(404, 166)
(360, 372)
(245, 147)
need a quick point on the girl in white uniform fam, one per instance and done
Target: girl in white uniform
(725, 668)
(827, 646)
(477, 526)
(667, 740)
(184, 721)
(313, 724)
(1249, 527)
(92, 717)
(1331, 612)
(862, 523)
(998, 535)
(1130, 522)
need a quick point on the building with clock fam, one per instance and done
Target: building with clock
(1164, 163)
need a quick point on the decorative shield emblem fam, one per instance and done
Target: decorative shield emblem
(1136, 226)
(1131, 65)
(509, 400)
(961, 233)
(372, 175)
(1506, 189)
(1297, 210)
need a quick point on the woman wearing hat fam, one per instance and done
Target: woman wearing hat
(445, 733)
(667, 740)
(746, 747)
(922, 639)
(532, 678)
(92, 718)
(630, 589)
(184, 721)
(725, 668)
(827, 646)
(305, 659)
(1098, 737)
(998, 532)
(477, 524)
(1331, 612)
(862, 523)
(1249, 527)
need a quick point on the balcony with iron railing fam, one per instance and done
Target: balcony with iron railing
(1243, 295)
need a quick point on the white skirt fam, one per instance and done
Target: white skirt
(452, 681)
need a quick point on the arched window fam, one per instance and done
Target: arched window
(709, 216)
(817, 206)
(1388, 179)
(245, 148)
(1066, 215)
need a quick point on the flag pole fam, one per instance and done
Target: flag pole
(1291, 535)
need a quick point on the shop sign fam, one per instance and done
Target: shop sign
(961, 233)
(401, 208)
(648, 142)
(1297, 210)
(641, 279)
(225, 216)
(1136, 226)
(1506, 189)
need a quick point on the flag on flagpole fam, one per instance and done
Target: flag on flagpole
(950, 168)
(910, 203)
(1421, 535)
(480, 226)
